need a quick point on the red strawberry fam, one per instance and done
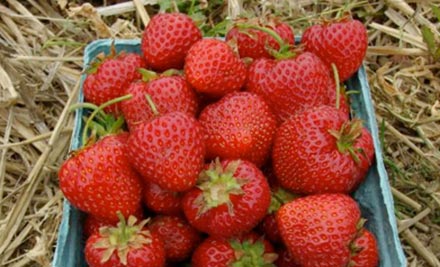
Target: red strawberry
(239, 126)
(109, 76)
(255, 43)
(320, 150)
(268, 226)
(318, 229)
(342, 42)
(127, 245)
(212, 67)
(365, 249)
(92, 224)
(162, 201)
(180, 239)
(167, 39)
(285, 259)
(292, 85)
(231, 197)
(169, 93)
(169, 151)
(99, 180)
(249, 250)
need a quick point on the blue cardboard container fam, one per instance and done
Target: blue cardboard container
(374, 195)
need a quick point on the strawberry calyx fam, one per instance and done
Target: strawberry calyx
(249, 253)
(278, 198)
(149, 75)
(354, 249)
(346, 137)
(284, 52)
(126, 236)
(218, 183)
(99, 123)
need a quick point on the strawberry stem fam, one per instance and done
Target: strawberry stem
(284, 51)
(152, 105)
(100, 109)
(271, 32)
(338, 87)
(86, 105)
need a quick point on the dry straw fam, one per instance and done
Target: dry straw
(41, 46)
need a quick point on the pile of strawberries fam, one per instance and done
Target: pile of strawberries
(241, 151)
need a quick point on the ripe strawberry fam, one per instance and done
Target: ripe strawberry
(108, 77)
(127, 245)
(365, 250)
(169, 93)
(255, 43)
(285, 259)
(239, 126)
(268, 226)
(168, 150)
(212, 67)
(180, 239)
(249, 250)
(99, 180)
(231, 197)
(320, 151)
(290, 86)
(162, 201)
(318, 229)
(342, 42)
(167, 39)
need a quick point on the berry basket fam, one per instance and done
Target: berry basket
(374, 195)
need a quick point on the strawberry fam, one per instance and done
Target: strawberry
(212, 67)
(254, 43)
(180, 239)
(108, 77)
(168, 150)
(239, 126)
(167, 39)
(304, 79)
(231, 197)
(162, 201)
(169, 93)
(99, 180)
(342, 42)
(249, 250)
(320, 150)
(318, 229)
(285, 259)
(92, 225)
(127, 245)
(268, 226)
(365, 250)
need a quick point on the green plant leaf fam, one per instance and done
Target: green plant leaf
(433, 46)
(428, 37)
(436, 11)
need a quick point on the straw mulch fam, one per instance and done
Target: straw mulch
(41, 46)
